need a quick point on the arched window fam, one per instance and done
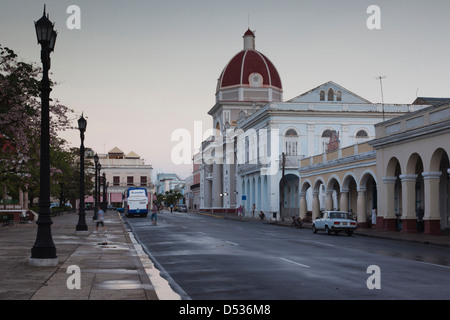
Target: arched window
(325, 138)
(291, 142)
(330, 94)
(322, 95)
(291, 132)
(361, 136)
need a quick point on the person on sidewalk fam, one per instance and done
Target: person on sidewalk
(240, 209)
(374, 218)
(154, 215)
(100, 217)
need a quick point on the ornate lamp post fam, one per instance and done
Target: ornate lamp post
(99, 196)
(43, 252)
(104, 192)
(95, 186)
(82, 226)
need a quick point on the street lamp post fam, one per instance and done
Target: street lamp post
(104, 192)
(95, 186)
(99, 196)
(43, 252)
(82, 227)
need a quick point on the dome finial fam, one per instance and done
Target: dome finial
(249, 40)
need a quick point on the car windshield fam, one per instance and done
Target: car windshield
(338, 215)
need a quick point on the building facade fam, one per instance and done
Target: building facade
(169, 181)
(124, 171)
(413, 169)
(254, 156)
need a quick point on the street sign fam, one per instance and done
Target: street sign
(244, 198)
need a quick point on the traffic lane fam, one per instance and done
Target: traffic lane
(228, 260)
(341, 263)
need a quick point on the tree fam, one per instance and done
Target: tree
(20, 120)
(20, 111)
(172, 197)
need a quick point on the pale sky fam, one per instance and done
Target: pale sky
(141, 69)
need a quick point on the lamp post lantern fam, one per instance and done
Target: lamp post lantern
(82, 227)
(43, 252)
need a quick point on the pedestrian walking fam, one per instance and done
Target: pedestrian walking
(154, 215)
(240, 209)
(374, 218)
(171, 208)
(100, 220)
(420, 224)
(253, 214)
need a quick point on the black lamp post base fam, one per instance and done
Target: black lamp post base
(43, 257)
(36, 262)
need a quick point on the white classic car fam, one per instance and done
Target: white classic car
(334, 221)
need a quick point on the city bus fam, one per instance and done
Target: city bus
(135, 202)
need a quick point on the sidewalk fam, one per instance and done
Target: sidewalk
(439, 240)
(112, 265)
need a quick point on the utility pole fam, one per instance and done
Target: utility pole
(282, 184)
(381, 86)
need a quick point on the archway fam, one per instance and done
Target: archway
(332, 194)
(412, 193)
(317, 204)
(392, 196)
(437, 194)
(289, 200)
(305, 196)
(368, 199)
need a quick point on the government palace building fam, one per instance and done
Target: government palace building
(325, 149)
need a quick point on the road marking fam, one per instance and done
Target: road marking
(271, 234)
(202, 233)
(432, 264)
(325, 244)
(232, 243)
(299, 264)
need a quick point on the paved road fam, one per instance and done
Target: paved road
(205, 257)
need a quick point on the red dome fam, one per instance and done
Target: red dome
(238, 70)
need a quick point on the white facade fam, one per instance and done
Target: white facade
(242, 163)
(123, 171)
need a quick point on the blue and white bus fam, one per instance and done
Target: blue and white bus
(136, 202)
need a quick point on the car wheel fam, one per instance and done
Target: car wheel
(349, 233)
(314, 230)
(327, 231)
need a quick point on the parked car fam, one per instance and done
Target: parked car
(334, 221)
(182, 208)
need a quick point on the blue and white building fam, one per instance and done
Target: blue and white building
(253, 124)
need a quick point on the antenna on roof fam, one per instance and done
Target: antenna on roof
(248, 20)
(381, 85)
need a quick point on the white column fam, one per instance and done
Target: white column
(315, 205)
(361, 206)
(329, 200)
(303, 207)
(408, 196)
(217, 186)
(388, 209)
(431, 184)
(311, 149)
(343, 203)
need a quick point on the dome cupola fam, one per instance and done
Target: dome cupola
(249, 76)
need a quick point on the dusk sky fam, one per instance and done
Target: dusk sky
(141, 69)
